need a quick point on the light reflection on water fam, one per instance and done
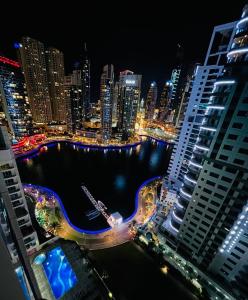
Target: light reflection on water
(113, 177)
(120, 182)
(154, 160)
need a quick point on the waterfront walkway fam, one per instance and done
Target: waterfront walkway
(61, 226)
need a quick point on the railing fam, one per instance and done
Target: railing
(98, 204)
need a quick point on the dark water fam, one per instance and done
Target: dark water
(133, 275)
(112, 176)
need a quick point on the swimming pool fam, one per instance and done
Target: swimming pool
(59, 272)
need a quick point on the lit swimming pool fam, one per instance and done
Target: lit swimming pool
(59, 272)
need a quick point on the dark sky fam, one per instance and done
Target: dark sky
(131, 35)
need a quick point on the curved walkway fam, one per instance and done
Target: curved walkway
(48, 141)
(108, 237)
(74, 142)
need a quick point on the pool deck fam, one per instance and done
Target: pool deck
(145, 206)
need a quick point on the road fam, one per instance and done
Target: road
(134, 275)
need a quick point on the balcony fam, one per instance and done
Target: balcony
(23, 222)
(175, 225)
(10, 182)
(27, 230)
(13, 190)
(17, 204)
(15, 197)
(8, 174)
(237, 54)
(6, 167)
(200, 150)
(178, 214)
(203, 143)
(182, 203)
(186, 193)
(191, 177)
(20, 212)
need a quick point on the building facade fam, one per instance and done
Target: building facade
(73, 99)
(210, 214)
(164, 103)
(56, 74)
(129, 98)
(16, 230)
(106, 98)
(15, 106)
(33, 59)
(85, 76)
(198, 91)
(151, 101)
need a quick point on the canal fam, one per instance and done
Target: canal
(112, 176)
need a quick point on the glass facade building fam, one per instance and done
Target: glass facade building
(15, 107)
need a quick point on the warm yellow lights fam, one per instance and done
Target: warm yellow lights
(110, 295)
(164, 269)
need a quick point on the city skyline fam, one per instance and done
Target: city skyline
(154, 60)
(134, 179)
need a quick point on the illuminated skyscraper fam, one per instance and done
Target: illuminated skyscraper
(175, 76)
(16, 231)
(164, 104)
(130, 85)
(55, 68)
(106, 98)
(116, 103)
(14, 101)
(35, 70)
(210, 218)
(151, 101)
(198, 91)
(86, 84)
(73, 98)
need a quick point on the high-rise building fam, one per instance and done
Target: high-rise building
(198, 92)
(184, 94)
(116, 103)
(151, 101)
(106, 98)
(16, 232)
(175, 76)
(14, 103)
(210, 217)
(55, 68)
(73, 98)
(177, 82)
(164, 104)
(33, 60)
(129, 98)
(86, 84)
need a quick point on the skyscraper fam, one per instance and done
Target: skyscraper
(106, 98)
(56, 74)
(164, 103)
(16, 231)
(198, 93)
(86, 84)
(129, 85)
(33, 60)
(14, 100)
(116, 103)
(175, 76)
(151, 101)
(210, 218)
(184, 94)
(73, 98)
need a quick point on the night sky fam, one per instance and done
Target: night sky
(140, 37)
